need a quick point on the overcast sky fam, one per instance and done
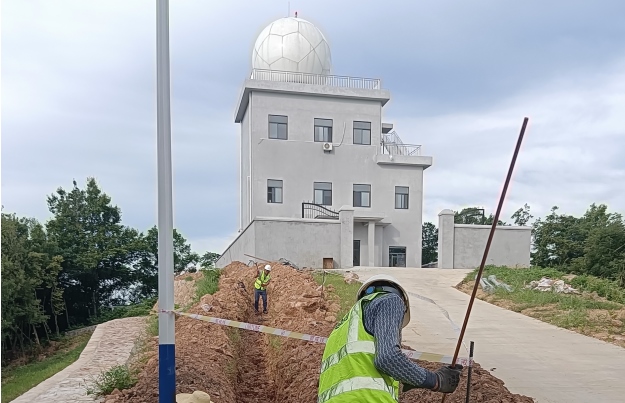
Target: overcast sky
(79, 99)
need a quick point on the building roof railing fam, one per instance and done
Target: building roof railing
(393, 145)
(317, 79)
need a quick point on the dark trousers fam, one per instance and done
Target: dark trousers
(258, 293)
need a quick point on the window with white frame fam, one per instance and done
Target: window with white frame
(323, 193)
(401, 197)
(274, 191)
(362, 195)
(323, 130)
(362, 133)
(278, 127)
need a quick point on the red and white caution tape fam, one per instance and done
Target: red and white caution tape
(414, 355)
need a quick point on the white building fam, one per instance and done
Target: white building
(321, 175)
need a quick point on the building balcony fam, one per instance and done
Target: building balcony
(317, 79)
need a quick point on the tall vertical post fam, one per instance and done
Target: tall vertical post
(166, 320)
(469, 371)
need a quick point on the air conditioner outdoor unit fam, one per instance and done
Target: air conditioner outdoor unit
(327, 146)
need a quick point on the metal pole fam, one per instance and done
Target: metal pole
(166, 321)
(469, 372)
(488, 242)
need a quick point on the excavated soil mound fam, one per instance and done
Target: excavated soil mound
(240, 366)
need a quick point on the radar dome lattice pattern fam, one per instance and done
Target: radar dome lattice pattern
(292, 44)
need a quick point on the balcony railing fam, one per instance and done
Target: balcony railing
(393, 145)
(317, 79)
(401, 149)
(318, 212)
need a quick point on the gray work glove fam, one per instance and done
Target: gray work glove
(448, 378)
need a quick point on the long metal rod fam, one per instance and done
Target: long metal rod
(166, 321)
(490, 239)
(469, 371)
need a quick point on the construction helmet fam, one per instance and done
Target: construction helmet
(368, 287)
(267, 267)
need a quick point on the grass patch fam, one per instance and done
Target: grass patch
(208, 284)
(152, 327)
(345, 293)
(119, 377)
(274, 342)
(599, 311)
(16, 381)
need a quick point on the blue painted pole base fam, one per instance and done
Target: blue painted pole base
(166, 373)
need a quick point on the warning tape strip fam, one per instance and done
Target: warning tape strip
(414, 355)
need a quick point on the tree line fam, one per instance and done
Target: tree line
(65, 272)
(591, 244)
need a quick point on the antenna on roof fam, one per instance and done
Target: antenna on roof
(296, 14)
(289, 12)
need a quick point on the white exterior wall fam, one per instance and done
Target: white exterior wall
(461, 246)
(304, 242)
(300, 161)
(510, 246)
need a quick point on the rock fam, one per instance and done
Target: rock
(330, 318)
(116, 392)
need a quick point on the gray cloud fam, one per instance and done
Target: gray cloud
(79, 99)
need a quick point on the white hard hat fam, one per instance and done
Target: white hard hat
(268, 267)
(393, 281)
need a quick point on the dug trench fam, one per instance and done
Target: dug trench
(240, 366)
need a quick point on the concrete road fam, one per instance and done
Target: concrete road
(533, 358)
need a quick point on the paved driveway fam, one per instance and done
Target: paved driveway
(533, 358)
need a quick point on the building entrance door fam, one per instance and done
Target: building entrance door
(397, 256)
(356, 253)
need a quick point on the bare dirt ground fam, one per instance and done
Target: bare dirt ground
(602, 324)
(240, 366)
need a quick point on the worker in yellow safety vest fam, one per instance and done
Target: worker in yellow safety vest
(363, 361)
(260, 286)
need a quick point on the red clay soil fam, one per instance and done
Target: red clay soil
(239, 366)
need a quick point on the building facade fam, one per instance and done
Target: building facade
(312, 144)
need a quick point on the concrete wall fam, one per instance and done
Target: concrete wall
(245, 243)
(300, 161)
(304, 242)
(461, 246)
(510, 246)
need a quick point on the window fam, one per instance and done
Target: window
(323, 130)
(401, 197)
(397, 256)
(362, 195)
(278, 127)
(323, 193)
(274, 191)
(362, 133)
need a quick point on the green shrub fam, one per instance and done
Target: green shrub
(119, 377)
(208, 284)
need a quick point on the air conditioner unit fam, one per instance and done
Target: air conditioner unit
(327, 146)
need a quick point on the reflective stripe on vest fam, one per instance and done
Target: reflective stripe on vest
(347, 370)
(263, 278)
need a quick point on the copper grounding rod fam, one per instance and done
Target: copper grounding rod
(490, 239)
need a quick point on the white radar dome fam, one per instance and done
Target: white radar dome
(294, 45)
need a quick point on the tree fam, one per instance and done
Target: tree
(522, 216)
(146, 268)
(97, 249)
(475, 216)
(208, 260)
(429, 243)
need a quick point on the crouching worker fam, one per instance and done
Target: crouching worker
(260, 286)
(362, 360)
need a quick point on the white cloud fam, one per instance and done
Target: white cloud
(571, 155)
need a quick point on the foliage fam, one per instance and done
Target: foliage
(84, 266)
(429, 249)
(474, 215)
(522, 216)
(592, 244)
(345, 293)
(207, 261)
(146, 267)
(208, 284)
(17, 380)
(119, 377)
